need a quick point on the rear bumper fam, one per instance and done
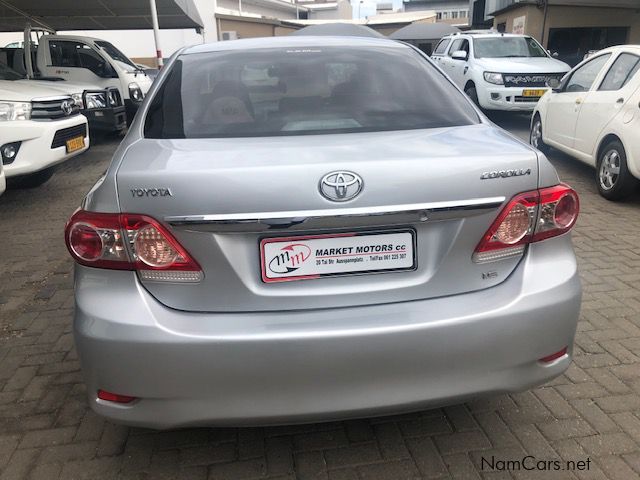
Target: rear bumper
(107, 119)
(304, 366)
(36, 137)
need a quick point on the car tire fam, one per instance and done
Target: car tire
(613, 178)
(535, 136)
(33, 180)
(472, 93)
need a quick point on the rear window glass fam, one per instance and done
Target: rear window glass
(266, 92)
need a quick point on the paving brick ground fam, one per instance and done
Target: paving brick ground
(47, 431)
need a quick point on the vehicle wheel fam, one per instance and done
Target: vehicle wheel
(535, 136)
(472, 93)
(33, 180)
(614, 180)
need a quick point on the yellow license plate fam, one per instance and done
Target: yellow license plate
(75, 144)
(533, 93)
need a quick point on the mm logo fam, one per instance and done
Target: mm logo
(290, 258)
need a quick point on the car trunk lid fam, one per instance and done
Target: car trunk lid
(224, 198)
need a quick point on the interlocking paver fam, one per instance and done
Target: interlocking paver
(47, 431)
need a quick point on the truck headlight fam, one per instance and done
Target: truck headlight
(495, 78)
(14, 111)
(95, 100)
(77, 98)
(135, 93)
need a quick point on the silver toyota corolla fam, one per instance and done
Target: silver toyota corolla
(311, 228)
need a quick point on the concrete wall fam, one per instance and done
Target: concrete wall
(343, 11)
(573, 17)
(495, 5)
(246, 29)
(267, 11)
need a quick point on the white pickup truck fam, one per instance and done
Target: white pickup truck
(40, 127)
(86, 60)
(103, 107)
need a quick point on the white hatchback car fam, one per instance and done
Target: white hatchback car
(594, 116)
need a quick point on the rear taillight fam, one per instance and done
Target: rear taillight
(129, 242)
(529, 217)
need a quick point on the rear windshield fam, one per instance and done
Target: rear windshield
(266, 92)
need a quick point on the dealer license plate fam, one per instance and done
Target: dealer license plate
(316, 256)
(533, 93)
(74, 144)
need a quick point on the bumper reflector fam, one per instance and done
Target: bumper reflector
(554, 356)
(115, 397)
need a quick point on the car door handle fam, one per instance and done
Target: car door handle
(578, 101)
(620, 101)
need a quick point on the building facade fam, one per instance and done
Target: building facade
(453, 11)
(568, 28)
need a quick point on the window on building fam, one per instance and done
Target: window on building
(623, 69)
(462, 13)
(454, 14)
(439, 16)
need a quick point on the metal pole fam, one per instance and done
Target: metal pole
(544, 22)
(156, 32)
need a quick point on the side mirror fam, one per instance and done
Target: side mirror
(553, 84)
(460, 55)
(555, 55)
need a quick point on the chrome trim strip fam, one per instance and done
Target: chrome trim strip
(336, 217)
(52, 99)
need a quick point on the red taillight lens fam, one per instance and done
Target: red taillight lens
(129, 242)
(554, 356)
(85, 241)
(114, 397)
(529, 217)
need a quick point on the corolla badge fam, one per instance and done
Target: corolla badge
(290, 258)
(341, 185)
(518, 172)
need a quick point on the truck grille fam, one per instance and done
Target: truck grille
(61, 136)
(53, 108)
(528, 80)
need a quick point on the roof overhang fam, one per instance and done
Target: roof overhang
(96, 14)
(560, 3)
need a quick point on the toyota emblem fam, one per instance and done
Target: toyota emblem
(340, 186)
(67, 107)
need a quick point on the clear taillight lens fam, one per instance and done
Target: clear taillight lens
(129, 242)
(529, 217)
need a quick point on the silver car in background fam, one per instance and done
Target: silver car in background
(299, 229)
